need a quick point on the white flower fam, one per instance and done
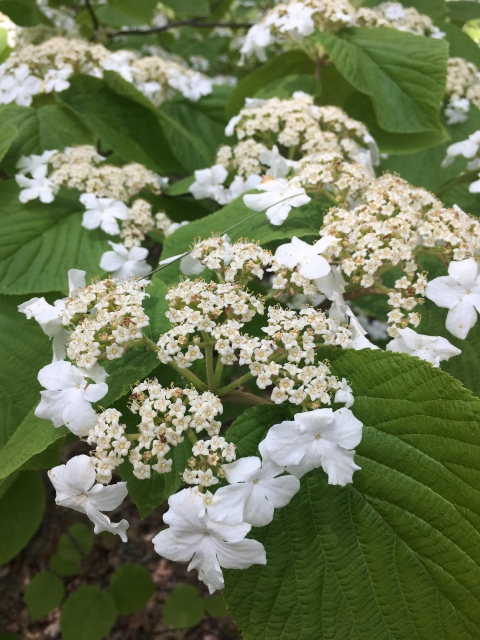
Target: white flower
(192, 87)
(467, 148)
(19, 86)
(190, 266)
(29, 164)
(297, 20)
(49, 316)
(254, 491)
(306, 257)
(240, 185)
(38, 186)
(359, 341)
(279, 166)
(120, 62)
(319, 438)
(57, 79)
(344, 394)
(278, 200)
(433, 349)
(457, 111)
(232, 123)
(124, 263)
(394, 11)
(210, 545)
(459, 292)
(209, 183)
(332, 285)
(75, 485)
(257, 38)
(68, 397)
(102, 212)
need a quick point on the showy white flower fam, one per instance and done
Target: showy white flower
(459, 292)
(192, 87)
(68, 397)
(49, 317)
(394, 11)
(344, 394)
(19, 86)
(467, 148)
(57, 79)
(256, 489)
(103, 212)
(75, 485)
(38, 186)
(332, 285)
(120, 62)
(297, 20)
(278, 199)
(360, 341)
(124, 263)
(279, 166)
(29, 164)
(209, 183)
(194, 535)
(457, 111)
(232, 123)
(319, 438)
(306, 257)
(240, 185)
(257, 38)
(433, 349)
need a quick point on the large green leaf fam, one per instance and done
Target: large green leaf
(462, 10)
(25, 13)
(8, 134)
(140, 9)
(461, 45)
(24, 349)
(404, 75)
(45, 128)
(21, 510)
(397, 553)
(123, 125)
(286, 64)
(40, 242)
(88, 614)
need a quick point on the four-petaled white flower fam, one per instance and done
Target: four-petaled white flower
(279, 166)
(209, 183)
(124, 263)
(103, 213)
(240, 185)
(194, 535)
(68, 396)
(57, 79)
(38, 186)
(306, 257)
(48, 316)
(256, 489)
(75, 485)
(120, 62)
(29, 164)
(344, 394)
(192, 87)
(257, 38)
(296, 20)
(467, 148)
(319, 438)
(433, 349)
(19, 86)
(277, 200)
(459, 292)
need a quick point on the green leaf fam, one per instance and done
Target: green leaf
(123, 125)
(285, 64)
(142, 10)
(148, 494)
(8, 134)
(397, 553)
(215, 606)
(183, 608)
(32, 436)
(285, 87)
(21, 511)
(189, 7)
(41, 242)
(8, 635)
(72, 547)
(461, 45)
(126, 372)
(131, 587)
(463, 11)
(436, 9)
(466, 366)
(46, 459)
(25, 13)
(42, 129)
(180, 144)
(403, 74)
(302, 221)
(88, 614)
(43, 594)
(155, 307)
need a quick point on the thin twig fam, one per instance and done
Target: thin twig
(93, 16)
(194, 22)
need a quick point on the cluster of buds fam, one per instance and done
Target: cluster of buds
(111, 445)
(205, 465)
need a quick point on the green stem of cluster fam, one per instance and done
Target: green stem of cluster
(189, 376)
(209, 361)
(191, 436)
(246, 398)
(150, 344)
(218, 372)
(131, 436)
(234, 385)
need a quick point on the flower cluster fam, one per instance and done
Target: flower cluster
(48, 67)
(396, 16)
(463, 89)
(111, 446)
(105, 317)
(11, 28)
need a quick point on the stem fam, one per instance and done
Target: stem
(246, 398)
(93, 16)
(209, 364)
(234, 385)
(464, 178)
(191, 436)
(131, 436)
(218, 372)
(191, 377)
(380, 289)
(194, 22)
(150, 344)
